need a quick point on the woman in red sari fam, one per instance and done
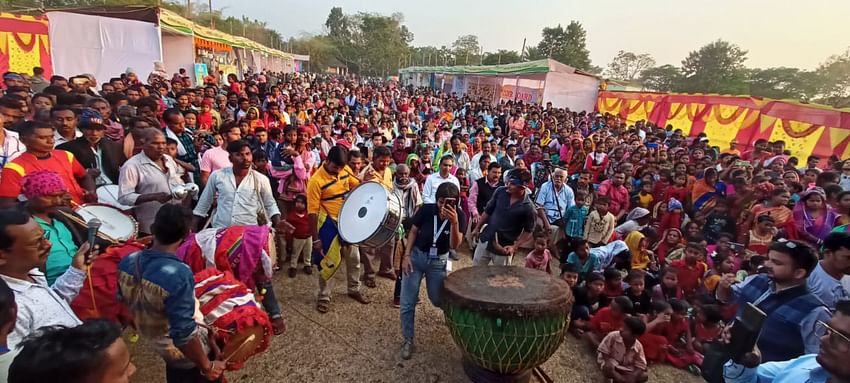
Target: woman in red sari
(576, 157)
(671, 240)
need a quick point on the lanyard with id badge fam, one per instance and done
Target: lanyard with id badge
(432, 252)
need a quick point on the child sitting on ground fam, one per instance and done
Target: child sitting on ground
(588, 300)
(569, 275)
(581, 258)
(669, 287)
(691, 269)
(539, 257)
(620, 355)
(707, 326)
(637, 292)
(653, 340)
(608, 319)
(722, 265)
(613, 283)
(680, 351)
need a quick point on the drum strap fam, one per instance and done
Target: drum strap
(335, 196)
(438, 231)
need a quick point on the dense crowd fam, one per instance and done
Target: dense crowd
(663, 238)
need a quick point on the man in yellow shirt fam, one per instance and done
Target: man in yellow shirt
(378, 171)
(326, 190)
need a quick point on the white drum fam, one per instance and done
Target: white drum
(114, 223)
(370, 215)
(108, 194)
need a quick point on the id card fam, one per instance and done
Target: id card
(432, 253)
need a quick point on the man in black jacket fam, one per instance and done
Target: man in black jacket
(101, 157)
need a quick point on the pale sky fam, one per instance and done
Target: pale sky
(776, 33)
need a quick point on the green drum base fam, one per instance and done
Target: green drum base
(480, 375)
(503, 344)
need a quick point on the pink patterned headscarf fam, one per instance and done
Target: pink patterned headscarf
(41, 183)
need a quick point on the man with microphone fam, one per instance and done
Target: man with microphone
(24, 248)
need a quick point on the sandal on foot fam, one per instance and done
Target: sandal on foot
(278, 326)
(323, 307)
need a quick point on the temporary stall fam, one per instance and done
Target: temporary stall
(300, 63)
(24, 44)
(102, 45)
(178, 44)
(538, 81)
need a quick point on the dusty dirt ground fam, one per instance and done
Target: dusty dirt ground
(361, 343)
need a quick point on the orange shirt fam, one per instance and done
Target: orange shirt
(59, 162)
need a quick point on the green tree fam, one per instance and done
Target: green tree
(833, 81)
(381, 43)
(338, 25)
(665, 78)
(502, 56)
(783, 82)
(716, 68)
(567, 45)
(628, 66)
(533, 53)
(466, 49)
(321, 49)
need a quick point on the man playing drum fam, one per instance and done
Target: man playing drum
(378, 171)
(510, 221)
(160, 291)
(242, 194)
(325, 192)
(147, 178)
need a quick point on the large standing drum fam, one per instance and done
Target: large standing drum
(505, 319)
(242, 329)
(370, 215)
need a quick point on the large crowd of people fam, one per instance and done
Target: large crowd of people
(663, 238)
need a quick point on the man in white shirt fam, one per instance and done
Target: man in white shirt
(241, 192)
(146, 180)
(65, 122)
(429, 190)
(23, 249)
(485, 150)
(460, 155)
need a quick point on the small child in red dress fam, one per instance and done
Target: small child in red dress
(539, 257)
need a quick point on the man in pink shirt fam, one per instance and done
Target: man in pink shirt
(618, 194)
(217, 157)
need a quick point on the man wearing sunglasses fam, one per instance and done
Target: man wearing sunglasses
(828, 365)
(789, 330)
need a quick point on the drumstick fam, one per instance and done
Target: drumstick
(241, 346)
(82, 223)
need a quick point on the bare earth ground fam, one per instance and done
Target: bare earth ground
(361, 343)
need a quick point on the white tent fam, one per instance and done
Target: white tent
(102, 46)
(538, 81)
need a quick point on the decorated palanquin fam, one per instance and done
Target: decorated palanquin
(24, 44)
(806, 128)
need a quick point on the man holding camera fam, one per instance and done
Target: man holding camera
(793, 313)
(829, 364)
